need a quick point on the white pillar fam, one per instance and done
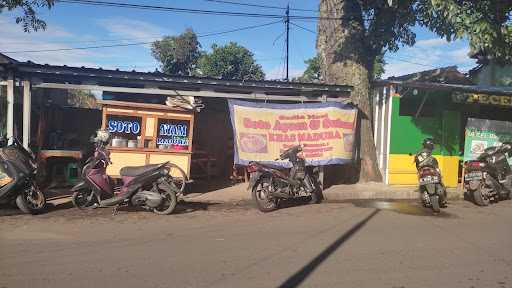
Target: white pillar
(10, 105)
(27, 104)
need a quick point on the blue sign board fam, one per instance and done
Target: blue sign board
(120, 126)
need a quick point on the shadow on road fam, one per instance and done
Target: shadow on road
(296, 279)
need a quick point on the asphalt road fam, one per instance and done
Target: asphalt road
(359, 244)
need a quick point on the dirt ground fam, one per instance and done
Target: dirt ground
(364, 243)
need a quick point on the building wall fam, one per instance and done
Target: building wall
(407, 134)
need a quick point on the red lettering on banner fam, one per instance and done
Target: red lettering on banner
(313, 116)
(314, 137)
(315, 145)
(314, 124)
(337, 123)
(256, 124)
(285, 127)
(294, 117)
(281, 137)
(313, 155)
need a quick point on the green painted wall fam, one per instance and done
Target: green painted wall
(408, 132)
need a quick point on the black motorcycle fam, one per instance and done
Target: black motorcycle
(272, 184)
(18, 169)
(432, 189)
(489, 177)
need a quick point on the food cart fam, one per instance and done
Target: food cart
(147, 134)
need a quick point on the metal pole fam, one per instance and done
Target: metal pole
(10, 105)
(27, 104)
(287, 22)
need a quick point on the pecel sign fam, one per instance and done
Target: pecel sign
(479, 98)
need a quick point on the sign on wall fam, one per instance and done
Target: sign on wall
(173, 134)
(481, 134)
(497, 100)
(263, 131)
(129, 125)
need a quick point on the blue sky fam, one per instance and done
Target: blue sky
(74, 25)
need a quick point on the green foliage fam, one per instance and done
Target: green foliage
(230, 61)
(378, 66)
(178, 55)
(313, 71)
(28, 19)
(486, 23)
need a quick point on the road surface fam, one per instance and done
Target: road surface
(357, 244)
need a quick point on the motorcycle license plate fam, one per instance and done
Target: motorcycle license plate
(473, 176)
(429, 180)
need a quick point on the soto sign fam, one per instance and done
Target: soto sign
(262, 131)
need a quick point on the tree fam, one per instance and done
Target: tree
(231, 61)
(313, 72)
(29, 19)
(178, 54)
(353, 33)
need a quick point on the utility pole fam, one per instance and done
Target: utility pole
(287, 23)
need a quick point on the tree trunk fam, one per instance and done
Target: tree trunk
(346, 61)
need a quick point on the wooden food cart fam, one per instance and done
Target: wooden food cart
(144, 134)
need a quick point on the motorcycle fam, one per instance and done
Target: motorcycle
(432, 190)
(271, 184)
(489, 177)
(18, 168)
(150, 187)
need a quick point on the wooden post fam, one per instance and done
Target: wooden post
(10, 105)
(27, 104)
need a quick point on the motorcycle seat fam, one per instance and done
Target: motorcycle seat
(132, 171)
(272, 166)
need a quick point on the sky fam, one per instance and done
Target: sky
(76, 25)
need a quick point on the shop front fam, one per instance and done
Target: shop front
(153, 117)
(418, 110)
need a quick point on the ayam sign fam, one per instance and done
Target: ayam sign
(173, 134)
(263, 131)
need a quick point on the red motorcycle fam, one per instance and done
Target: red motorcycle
(151, 186)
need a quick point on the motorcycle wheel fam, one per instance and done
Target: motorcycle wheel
(434, 200)
(31, 200)
(261, 196)
(179, 177)
(169, 203)
(83, 198)
(480, 197)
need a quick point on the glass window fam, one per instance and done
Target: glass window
(173, 134)
(125, 130)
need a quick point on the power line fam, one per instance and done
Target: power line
(260, 6)
(140, 43)
(303, 28)
(196, 11)
(411, 62)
